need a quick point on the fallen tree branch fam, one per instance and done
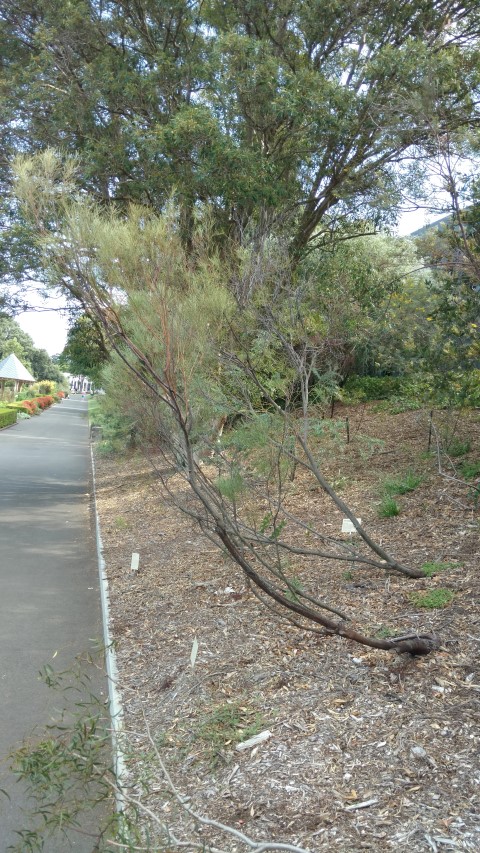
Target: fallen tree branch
(421, 645)
(254, 845)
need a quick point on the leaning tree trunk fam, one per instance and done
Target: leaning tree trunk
(414, 644)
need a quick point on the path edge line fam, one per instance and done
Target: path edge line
(114, 695)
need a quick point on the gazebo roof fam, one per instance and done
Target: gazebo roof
(12, 368)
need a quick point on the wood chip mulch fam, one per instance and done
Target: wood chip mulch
(368, 750)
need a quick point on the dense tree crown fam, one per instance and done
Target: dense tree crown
(85, 352)
(453, 251)
(265, 109)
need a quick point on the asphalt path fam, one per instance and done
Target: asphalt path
(49, 586)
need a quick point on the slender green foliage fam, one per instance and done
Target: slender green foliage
(402, 485)
(388, 508)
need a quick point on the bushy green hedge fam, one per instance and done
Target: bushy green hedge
(7, 417)
(363, 388)
(446, 390)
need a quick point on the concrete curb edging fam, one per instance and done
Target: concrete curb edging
(115, 701)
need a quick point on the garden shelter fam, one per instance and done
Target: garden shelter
(11, 368)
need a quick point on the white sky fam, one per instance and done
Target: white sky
(47, 326)
(409, 222)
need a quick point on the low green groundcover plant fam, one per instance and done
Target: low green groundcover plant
(402, 484)
(384, 632)
(470, 470)
(457, 447)
(433, 568)
(433, 599)
(227, 725)
(388, 508)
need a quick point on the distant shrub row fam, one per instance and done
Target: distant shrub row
(33, 406)
(26, 408)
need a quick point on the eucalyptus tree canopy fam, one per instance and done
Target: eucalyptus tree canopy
(291, 113)
(14, 339)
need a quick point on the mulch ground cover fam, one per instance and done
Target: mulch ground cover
(362, 749)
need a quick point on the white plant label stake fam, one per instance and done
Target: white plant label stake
(194, 652)
(135, 562)
(348, 526)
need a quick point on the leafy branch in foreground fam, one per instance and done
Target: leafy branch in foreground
(167, 315)
(69, 773)
(68, 770)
